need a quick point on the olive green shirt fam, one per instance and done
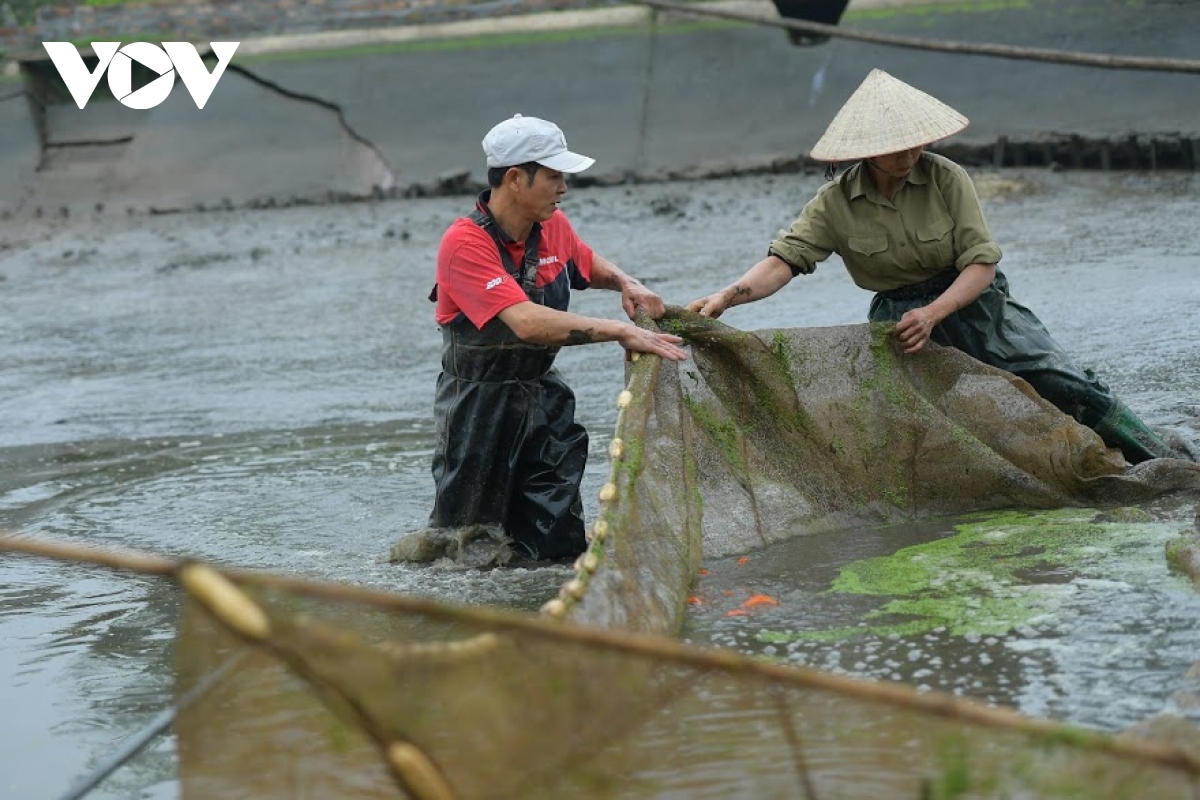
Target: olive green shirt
(933, 223)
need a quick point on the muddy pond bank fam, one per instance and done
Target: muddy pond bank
(255, 387)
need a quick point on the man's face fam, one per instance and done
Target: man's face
(540, 199)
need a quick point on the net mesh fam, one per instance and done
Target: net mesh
(761, 436)
(497, 706)
(803, 430)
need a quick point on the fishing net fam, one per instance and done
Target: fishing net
(803, 430)
(334, 692)
(765, 436)
(325, 693)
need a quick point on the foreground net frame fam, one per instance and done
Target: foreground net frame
(339, 691)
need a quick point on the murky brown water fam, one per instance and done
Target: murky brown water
(255, 388)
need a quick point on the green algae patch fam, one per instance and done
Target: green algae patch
(995, 572)
(1183, 556)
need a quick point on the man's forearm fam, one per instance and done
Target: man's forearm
(537, 324)
(540, 325)
(607, 275)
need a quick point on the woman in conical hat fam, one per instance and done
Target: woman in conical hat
(909, 227)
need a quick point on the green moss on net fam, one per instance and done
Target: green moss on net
(724, 433)
(631, 461)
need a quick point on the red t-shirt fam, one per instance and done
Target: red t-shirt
(471, 279)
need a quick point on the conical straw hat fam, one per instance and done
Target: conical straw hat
(886, 115)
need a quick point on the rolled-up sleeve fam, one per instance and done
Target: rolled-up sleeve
(810, 239)
(972, 240)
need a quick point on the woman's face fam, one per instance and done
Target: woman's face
(899, 164)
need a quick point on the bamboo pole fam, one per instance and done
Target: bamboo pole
(658, 648)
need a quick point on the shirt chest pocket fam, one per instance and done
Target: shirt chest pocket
(937, 241)
(868, 245)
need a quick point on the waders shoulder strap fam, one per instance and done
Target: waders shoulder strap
(526, 276)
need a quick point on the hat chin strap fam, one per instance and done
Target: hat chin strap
(887, 172)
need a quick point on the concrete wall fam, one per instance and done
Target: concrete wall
(645, 101)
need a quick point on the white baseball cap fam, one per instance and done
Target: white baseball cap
(523, 139)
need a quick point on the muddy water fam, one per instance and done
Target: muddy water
(1052, 613)
(255, 388)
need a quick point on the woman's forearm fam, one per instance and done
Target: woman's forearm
(762, 280)
(967, 287)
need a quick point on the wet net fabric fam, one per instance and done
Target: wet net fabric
(797, 431)
(349, 699)
(764, 436)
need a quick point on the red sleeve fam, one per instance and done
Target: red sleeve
(579, 250)
(471, 278)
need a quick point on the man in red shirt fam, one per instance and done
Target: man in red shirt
(509, 456)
